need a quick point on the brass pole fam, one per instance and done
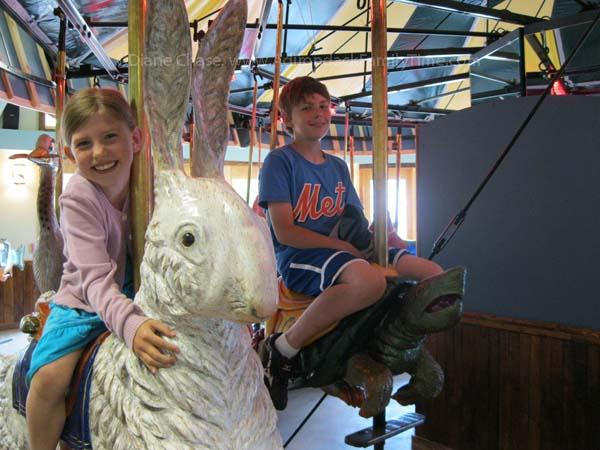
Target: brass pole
(398, 163)
(260, 128)
(346, 130)
(275, 106)
(141, 174)
(191, 143)
(60, 77)
(251, 149)
(380, 137)
(351, 145)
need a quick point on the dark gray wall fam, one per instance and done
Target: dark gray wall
(531, 241)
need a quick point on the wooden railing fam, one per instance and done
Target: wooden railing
(515, 384)
(17, 297)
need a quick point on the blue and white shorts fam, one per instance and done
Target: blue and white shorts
(311, 271)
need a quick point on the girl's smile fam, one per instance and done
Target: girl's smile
(103, 150)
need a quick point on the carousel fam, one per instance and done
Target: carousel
(470, 133)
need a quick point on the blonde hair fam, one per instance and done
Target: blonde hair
(88, 102)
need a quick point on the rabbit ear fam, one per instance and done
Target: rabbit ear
(167, 74)
(215, 62)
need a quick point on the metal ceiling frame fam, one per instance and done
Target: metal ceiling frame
(76, 19)
(402, 108)
(27, 76)
(264, 17)
(414, 85)
(361, 29)
(22, 17)
(269, 85)
(343, 28)
(359, 56)
(530, 25)
(477, 11)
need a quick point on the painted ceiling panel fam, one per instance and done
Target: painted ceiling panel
(340, 12)
(42, 11)
(344, 42)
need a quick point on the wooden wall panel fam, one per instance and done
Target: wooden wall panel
(514, 384)
(17, 297)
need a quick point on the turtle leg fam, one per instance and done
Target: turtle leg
(375, 379)
(426, 381)
(351, 395)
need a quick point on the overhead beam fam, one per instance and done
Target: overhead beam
(87, 71)
(360, 56)
(363, 29)
(395, 69)
(269, 85)
(348, 28)
(76, 19)
(27, 76)
(474, 10)
(22, 17)
(414, 85)
(402, 108)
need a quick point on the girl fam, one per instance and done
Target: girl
(101, 136)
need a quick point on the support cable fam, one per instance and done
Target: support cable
(311, 412)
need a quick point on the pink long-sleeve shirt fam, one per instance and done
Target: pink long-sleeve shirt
(96, 236)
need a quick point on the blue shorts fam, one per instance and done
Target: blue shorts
(66, 330)
(311, 271)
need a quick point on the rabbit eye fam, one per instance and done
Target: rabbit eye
(188, 239)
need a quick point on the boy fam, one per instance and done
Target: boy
(305, 192)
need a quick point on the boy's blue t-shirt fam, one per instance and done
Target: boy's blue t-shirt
(318, 193)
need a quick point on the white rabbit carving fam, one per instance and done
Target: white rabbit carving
(208, 267)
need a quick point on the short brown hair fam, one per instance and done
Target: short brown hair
(296, 90)
(87, 102)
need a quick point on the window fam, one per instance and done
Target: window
(394, 203)
(241, 185)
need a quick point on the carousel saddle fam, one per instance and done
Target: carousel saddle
(291, 305)
(76, 433)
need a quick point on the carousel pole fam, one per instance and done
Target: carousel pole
(398, 164)
(380, 135)
(346, 130)
(351, 145)
(252, 128)
(277, 74)
(60, 78)
(260, 129)
(380, 151)
(141, 172)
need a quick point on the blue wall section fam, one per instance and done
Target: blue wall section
(531, 241)
(20, 139)
(25, 140)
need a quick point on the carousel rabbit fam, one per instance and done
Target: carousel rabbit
(208, 269)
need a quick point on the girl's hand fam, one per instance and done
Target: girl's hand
(154, 351)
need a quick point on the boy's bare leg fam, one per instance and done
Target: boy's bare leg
(416, 268)
(358, 286)
(46, 402)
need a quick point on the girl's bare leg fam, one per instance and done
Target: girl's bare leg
(46, 402)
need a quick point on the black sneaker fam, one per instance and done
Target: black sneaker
(278, 370)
